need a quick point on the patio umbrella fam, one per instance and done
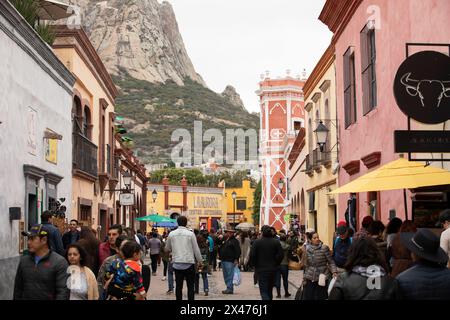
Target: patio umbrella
(245, 226)
(156, 218)
(398, 174)
(53, 10)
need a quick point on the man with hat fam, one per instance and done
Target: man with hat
(444, 221)
(42, 275)
(429, 279)
(341, 246)
(229, 253)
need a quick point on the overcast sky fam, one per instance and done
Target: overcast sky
(234, 41)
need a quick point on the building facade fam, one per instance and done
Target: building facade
(93, 130)
(205, 207)
(321, 164)
(240, 209)
(371, 42)
(282, 114)
(36, 136)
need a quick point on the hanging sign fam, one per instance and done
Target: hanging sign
(422, 87)
(126, 199)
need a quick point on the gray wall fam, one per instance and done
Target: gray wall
(31, 76)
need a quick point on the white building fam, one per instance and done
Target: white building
(35, 109)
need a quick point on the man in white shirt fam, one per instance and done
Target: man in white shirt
(444, 219)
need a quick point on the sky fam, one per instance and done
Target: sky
(233, 42)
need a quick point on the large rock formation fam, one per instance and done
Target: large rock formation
(140, 37)
(231, 95)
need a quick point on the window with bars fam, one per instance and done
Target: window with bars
(368, 60)
(349, 87)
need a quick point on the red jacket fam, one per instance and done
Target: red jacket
(104, 251)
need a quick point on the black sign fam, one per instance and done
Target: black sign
(422, 87)
(422, 141)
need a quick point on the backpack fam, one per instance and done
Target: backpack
(340, 251)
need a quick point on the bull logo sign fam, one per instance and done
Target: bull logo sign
(422, 87)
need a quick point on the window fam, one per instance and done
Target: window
(310, 135)
(368, 59)
(349, 87)
(86, 122)
(312, 201)
(241, 204)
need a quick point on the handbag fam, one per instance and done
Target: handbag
(294, 265)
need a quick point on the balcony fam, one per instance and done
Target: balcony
(317, 160)
(84, 156)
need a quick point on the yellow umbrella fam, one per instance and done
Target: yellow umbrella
(398, 174)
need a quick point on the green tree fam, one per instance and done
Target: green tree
(257, 203)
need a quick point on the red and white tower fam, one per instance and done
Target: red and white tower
(282, 113)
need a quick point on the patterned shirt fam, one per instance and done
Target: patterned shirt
(127, 278)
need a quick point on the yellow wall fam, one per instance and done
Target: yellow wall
(244, 193)
(322, 180)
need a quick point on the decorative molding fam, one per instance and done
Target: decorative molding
(316, 97)
(372, 160)
(83, 175)
(325, 85)
(85, 202)
(324, 64)
(35, 47)
(309, 106)
(352, 167)
(103, 179)
(112, 186)
(322, 185)
(33, 172)
(53, 178)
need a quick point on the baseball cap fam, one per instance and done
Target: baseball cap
(36, 230)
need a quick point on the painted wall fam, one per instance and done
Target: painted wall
(402, 21)
(243, 193)
(24, 84)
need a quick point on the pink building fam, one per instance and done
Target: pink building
(371, 40)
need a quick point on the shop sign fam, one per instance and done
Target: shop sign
(422, 87)
(422, 141)
(126, 199)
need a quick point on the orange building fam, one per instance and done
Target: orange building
(282, 116)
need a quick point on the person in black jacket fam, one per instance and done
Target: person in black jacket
(266, 255)
(72, 236)
(54, 237)
(229, 253)
(42, 275)
(366, 275)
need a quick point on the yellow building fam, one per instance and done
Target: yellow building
(94, 96)
(240, 209)
(321, 165)
(205, 207)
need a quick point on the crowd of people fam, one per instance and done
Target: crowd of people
(396, 261)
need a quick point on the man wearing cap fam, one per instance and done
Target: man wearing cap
(341, 246)
(429, 278)
(41, 275)
(444, 220)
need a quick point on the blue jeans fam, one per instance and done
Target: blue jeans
(266, 281)
(205, 282)
(170, 276)
(228, 273)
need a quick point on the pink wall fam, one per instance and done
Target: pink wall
(402, 21)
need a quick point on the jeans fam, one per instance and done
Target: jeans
(213, 260)
(205, 282)
(170, 277)
(266, 281)
(282, 272)
(255, 278)
(189, 275)
(228, 273)
(166, 265)
(154, 258)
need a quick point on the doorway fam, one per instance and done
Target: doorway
(103, 224)
(32, 210)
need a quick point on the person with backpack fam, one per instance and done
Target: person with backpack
(341, 246)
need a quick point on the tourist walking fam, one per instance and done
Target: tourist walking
(55, 238)
(398, 254)
(213, 258)
(91, 245)
(155, 248)
(71, 236)
(266, 255)
(319, 266)
(202, 267)
(41, 275)
(444, 220)
(83, 285)
(341, 247)
(230, 251)
(429, 278)
(392, 228)
(283, 269)
(185, 252)
(124, 275)
(376, 230)
(366, 275)
(245, 245)
(164, 257)
(108, 248)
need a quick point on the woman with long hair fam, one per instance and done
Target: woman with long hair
(366, 275)
(90, 244)
(398, 253)
(82, 282)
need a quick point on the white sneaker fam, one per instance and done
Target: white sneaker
(256, 286)
(163, 279)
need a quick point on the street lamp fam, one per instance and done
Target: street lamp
(127, 179)
(154, 195)
(233, 195)
(321, 135)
